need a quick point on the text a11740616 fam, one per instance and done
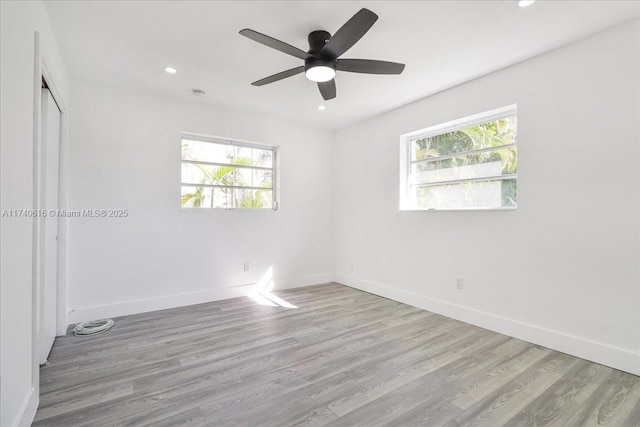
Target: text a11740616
(64, 213)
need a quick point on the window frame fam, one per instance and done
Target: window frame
(275, 171)
(443, 128)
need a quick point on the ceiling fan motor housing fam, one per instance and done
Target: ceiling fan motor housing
(317, 39)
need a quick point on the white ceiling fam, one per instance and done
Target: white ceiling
(443, 43)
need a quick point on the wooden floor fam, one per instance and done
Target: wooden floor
(342, 358)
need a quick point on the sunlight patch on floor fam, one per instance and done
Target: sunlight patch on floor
(262, 295)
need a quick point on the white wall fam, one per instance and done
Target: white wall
(19, 21)
(568, 273)
(125, 154)
(562, 270)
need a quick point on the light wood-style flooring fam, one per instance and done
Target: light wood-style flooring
(341, 358)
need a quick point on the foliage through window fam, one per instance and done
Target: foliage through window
(224, 174)
(470, 163)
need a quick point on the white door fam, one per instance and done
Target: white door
(50, 162)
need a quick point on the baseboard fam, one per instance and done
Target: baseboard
(604, 354)
(300, 281)
(125, 308)
(27, 411)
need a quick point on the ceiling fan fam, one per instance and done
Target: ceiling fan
(321, 61)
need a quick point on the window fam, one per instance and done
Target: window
(225, 174)
(469, 163)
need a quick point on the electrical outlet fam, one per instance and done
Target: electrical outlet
(246, 266)
(459, 283)
(350, 268)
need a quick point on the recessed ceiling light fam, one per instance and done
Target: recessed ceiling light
(525, 3)
(321, 107)
(170, 70)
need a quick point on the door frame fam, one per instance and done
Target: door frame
(43, 71)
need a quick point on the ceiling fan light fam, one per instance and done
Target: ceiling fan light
(320, 73)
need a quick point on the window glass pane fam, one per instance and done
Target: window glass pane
(262, 178)
(191, 174)
(253, 198)
(207, 197)
(263, 158)
(228, 154)
(207, 174)
(245, 177)
(206, 151)
(492, 194)
(235, 168)
(490, 134)
(477, 165)
(226, 175)
(222, 198)
(252, 157)
(196, 197)
(242, 156)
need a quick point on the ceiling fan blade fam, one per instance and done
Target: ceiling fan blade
(327, 89)
(369, 66)
(279, 76)
(349, 33)
(274, 43)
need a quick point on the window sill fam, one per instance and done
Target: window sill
(515, 208)
(225, 210)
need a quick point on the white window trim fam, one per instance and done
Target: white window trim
(450, 126)
(239, 142)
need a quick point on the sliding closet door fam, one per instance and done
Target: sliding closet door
(49, 231)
